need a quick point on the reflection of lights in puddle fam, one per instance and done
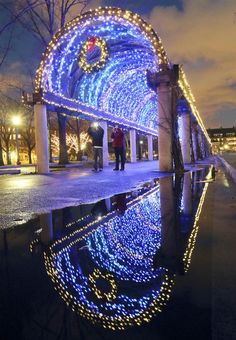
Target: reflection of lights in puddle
(107, 279)
(22, 183)
(225, 182)
(81, 174)
(114, 283)
(19, 221)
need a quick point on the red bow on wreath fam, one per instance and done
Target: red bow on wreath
(92, 43)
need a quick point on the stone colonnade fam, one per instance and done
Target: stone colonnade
(194, 145)
(42, 146)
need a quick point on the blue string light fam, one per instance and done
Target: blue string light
(107, 274)
(104, 270)
(120, 84)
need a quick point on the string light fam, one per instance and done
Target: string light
(104, 269)
(128, 47)
(192, 238)
(185, 87)
(107, 294)
(114, 93)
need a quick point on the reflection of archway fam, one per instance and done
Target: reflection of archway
(100, 276)
(124, 291)
(96, 68)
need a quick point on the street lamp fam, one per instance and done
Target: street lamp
(16, 121)
(83, 147)
(141, 149)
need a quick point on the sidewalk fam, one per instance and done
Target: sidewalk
(31, 168)
(24, 196)
(219, 220)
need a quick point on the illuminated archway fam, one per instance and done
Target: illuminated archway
(96, 66)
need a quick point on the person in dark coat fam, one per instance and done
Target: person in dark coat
(118, 144)
(96, 132)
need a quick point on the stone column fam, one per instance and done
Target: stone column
(195, 141)
(203, 145)
(206, 147)
(103, 124)
(200, 143)
(150, 147)
(41, 138)
(165, 133)
(185, 138)
(133, 151)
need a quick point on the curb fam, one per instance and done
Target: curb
(9, 172)
(229, 169)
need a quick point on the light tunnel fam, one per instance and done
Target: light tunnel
(96, 66)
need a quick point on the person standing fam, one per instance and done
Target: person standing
(118, 145)
(96, 132)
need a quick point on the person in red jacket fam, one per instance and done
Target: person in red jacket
(118, 145)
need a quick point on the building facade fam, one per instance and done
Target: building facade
(223, 139)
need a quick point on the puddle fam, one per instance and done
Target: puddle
(94, 270)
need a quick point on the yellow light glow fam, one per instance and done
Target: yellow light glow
(16, 120)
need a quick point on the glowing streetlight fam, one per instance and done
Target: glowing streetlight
(141, 148)
(16, 121)
(83, 147)
(95, 125)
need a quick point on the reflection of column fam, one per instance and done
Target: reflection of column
(46, 224)
(170, 253)
(41, 138)
(187, 194)
(108, 203)
(185, 140)
(150, 148)
(133, 151)
(103, 124)
(168, 235)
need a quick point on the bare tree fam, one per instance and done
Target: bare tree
(7, 106)
(1, 156)
(76, 128)
(27, 131)
(43, 18)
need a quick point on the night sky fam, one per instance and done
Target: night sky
(199, 34)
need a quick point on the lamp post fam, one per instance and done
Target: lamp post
(16, 120)
(83, 147)
(141, 149)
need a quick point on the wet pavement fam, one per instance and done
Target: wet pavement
(230, 158)
(156, 262)
(25, 196)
